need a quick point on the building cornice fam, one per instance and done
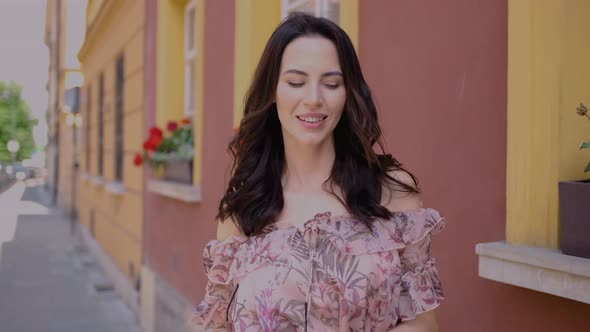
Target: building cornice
(107, 7)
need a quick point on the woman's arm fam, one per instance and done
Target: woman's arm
(395, 201)
(425, 322)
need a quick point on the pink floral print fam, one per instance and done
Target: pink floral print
(332, 274)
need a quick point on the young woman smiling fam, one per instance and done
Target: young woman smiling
(317, 231)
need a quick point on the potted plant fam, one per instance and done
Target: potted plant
(574, 210)
(170, 154)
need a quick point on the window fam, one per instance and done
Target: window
(190, 55)
(88, 120)
(325, 8)
(119, 85)
(101, 125)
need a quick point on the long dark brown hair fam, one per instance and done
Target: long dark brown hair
(254, 196)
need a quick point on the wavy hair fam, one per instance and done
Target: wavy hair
(254, 196)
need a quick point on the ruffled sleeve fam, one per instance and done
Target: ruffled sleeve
(422, 289)
(210, 314)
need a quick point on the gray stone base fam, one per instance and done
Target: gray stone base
(163, 309)
(122, 285)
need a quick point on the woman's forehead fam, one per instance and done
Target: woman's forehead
(310, 55)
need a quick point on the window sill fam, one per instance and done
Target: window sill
(116, 188)
(182, 192)
(97, 181)
(540, 269)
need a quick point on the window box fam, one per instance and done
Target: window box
(180, 171)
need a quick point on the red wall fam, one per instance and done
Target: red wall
(438, 70)
(176, 232)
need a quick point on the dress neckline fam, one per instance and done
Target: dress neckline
(331, 217)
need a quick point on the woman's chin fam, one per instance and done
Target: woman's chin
(311, 139)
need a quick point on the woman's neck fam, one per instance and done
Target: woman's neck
(307, 166)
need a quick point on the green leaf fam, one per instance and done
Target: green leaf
(585, 145)
(587, 169)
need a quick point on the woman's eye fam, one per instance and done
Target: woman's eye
(332, 86)
(296, 85)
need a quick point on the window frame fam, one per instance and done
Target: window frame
(88, 126)
(119, 116)
(320, 8)
(100, 123)
(190, 58)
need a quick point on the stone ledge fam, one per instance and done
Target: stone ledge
(540, 269)
(98, 181)
(85, 176)
(116, 188)
(183, 192)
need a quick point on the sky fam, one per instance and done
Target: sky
(24, 58)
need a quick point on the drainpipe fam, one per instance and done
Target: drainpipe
(56, 104)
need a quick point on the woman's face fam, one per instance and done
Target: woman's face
(310, 92)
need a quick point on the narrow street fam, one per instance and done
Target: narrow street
(48, 282)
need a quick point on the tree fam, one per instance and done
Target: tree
(15, 122)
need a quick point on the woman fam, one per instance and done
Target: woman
(317, 232)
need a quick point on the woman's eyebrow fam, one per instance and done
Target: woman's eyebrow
(300, 72)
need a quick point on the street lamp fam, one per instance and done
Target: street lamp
(74, 122)
(13, 148)
(12, 144)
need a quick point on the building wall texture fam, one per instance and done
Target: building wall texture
(439, 74)
(176, 232)
(114, 219)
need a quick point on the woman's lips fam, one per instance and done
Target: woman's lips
(312, 120)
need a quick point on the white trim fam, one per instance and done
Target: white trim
(97, 180)
(116, 188)
(540, 269)
(321, 7)
(182, 192)
(190, 56)
(287, 8)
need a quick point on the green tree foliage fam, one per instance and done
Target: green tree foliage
(15, 121)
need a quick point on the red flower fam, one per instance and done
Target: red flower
(137, 160)
(185, 121)
(155, 141)
(172, 126)
(152, 143)
(147, 145)
(155, 131)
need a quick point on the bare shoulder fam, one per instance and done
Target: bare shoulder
(226, 228)
(395, 199)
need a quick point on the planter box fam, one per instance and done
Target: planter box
(574, 218)
(179, 171)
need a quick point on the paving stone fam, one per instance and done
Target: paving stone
(47, 282)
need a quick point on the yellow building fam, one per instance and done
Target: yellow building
(63, 37)
(110, 197)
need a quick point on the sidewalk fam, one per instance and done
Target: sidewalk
(47, 282)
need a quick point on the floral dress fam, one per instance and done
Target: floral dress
(331, 274)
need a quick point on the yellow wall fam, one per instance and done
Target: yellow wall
(547, 77)
(170, 71)
(349, 20)
(255, 22)
(117, 218)
(575, 88)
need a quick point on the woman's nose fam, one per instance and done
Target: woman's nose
(313, 95)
